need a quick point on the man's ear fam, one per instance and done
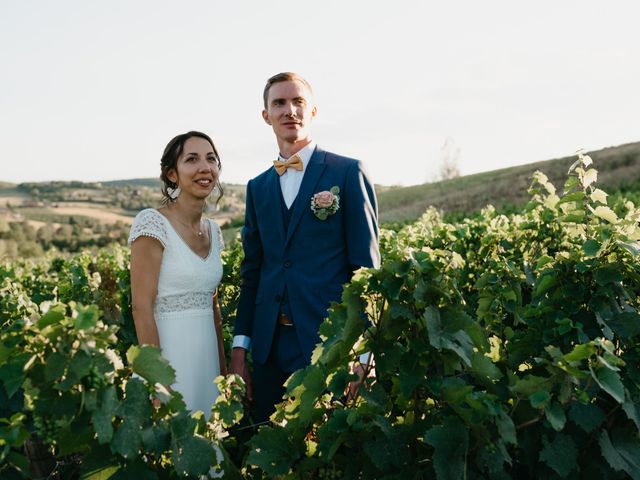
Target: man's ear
(314, 111)
(265, 117)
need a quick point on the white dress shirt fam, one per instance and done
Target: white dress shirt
(291, 179)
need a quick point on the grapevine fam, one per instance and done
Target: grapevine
(504, 345)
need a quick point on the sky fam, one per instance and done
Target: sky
(94, 90)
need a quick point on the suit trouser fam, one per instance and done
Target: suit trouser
(285, 358)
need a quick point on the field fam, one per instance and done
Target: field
(88, 211)
(10, 194)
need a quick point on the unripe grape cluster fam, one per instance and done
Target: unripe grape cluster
(45, 428)
(329, 473)
(94, 379)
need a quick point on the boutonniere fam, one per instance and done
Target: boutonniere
(325, 203)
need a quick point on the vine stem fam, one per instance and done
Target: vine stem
(368, 366)
(529, 423)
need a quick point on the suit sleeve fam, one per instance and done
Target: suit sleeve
(361, 219)
(249, 268)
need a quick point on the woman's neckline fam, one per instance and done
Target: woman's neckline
(186, 244)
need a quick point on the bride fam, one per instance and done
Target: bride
(176, 267)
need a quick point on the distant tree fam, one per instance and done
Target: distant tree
(45, 235)
(16, 232)
(449, 158)
(63, 237)
(30, 249)
(8, 249)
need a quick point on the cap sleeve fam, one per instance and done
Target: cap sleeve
(216, 233)
(149, 223)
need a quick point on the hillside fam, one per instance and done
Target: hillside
(71, 215)
(106, 202)
(140, 182)
(617, 167)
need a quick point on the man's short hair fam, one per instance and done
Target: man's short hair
(283, 77)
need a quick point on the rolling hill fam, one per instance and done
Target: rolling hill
(617, 167)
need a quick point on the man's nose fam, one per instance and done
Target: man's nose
(290, 109)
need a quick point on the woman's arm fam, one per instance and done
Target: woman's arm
(146, 257)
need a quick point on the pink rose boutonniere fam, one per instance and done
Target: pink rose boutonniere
(325, 203)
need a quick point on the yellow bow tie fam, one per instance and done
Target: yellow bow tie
(293, 162)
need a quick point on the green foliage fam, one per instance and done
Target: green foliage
(71, 381)
(504, 346)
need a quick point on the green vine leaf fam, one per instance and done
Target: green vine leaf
(622, 452)
(555, 416)
(560, 454)
(450, 442)
(606, 213)
(610, 382)
(591, 248)
(53, 315)
(272, 450)
(588, 417)
(148, 362)
(87, 318)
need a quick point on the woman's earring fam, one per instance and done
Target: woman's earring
(173, 193)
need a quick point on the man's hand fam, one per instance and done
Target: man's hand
(239, 366)
(360, 370)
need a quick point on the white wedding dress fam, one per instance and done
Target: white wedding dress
(184, 307)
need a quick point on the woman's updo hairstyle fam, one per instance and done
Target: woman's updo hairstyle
(169, 161)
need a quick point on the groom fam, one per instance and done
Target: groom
(310, 222)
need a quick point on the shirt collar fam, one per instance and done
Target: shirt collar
(304, 153)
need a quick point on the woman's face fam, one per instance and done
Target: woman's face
(197, 170)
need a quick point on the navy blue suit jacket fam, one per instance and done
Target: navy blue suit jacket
(312, 259)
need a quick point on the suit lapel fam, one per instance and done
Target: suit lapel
(309, 181)
(273, 203)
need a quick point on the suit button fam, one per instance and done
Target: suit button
(278, 298)
(287, 263)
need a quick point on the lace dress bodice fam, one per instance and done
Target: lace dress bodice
(187, 280)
